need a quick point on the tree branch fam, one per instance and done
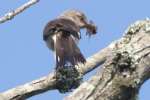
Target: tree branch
(124, 71)
(12, 14)
(49, 82)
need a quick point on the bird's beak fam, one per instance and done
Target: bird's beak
(91, 28)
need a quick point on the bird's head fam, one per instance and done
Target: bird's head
(81, 20)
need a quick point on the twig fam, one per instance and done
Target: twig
(12, 14)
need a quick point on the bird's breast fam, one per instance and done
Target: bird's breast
(54, 38)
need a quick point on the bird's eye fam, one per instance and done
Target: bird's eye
(81, 18)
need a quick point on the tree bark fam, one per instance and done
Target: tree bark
(126, 68)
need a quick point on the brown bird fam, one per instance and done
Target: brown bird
(62, 35)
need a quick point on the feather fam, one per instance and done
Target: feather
(60, 24)
(67, 51)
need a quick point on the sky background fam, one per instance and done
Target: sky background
(24, 55)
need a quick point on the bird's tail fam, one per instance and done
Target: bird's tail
(67, 52)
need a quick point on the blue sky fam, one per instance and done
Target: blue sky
(24, 55)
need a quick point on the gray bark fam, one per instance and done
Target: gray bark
(126, 68)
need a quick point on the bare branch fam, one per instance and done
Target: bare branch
(124, 71)
(12, 14)
(48, 82)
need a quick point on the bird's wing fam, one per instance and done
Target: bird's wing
(67, 51)
(60, 24)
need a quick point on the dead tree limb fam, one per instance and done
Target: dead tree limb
(48, 82)
(127, 67)
(12, 14)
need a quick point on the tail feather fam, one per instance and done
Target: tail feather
(67, 52)
(79, 58)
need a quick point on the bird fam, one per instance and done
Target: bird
(62, 35)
